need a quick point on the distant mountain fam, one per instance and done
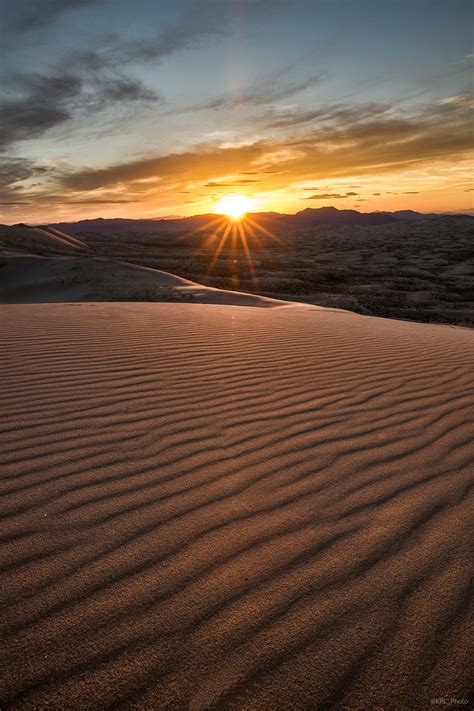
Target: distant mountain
(121, 225)
(332, 216)
(411, 215)
(305, 218)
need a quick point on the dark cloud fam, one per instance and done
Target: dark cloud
(16, 170)
(239, 183)
(123, 90)
(61, 199)
(411, 192)
(13, 171)
(11, 203)
(41, 103)
(32, 104)
(29, 15)
(189, 32)
(325, 196)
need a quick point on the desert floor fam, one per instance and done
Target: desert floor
(421, 271)
(211, 506)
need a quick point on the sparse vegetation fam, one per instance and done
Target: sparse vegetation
(420, 271)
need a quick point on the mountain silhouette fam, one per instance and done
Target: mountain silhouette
(308, 217)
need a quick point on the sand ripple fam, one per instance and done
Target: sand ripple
(225, 507)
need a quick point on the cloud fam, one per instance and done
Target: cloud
(41, 103)
(41, 106)
(13, 172)
(189, 32)
(123, 90)
(362, 148)
(239, 183)
(202, 163)
(336, 113)
(437, 132)
(34, 14)
(196, 24)
(95, 80)
(325, 196)
(266, 92)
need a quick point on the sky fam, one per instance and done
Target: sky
(153, 108)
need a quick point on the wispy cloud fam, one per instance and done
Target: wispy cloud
(34, 14)
(96, 79)
(41, 103)
(377, 145)
(223, 184)
(438, 131)
(265, 92)
(326, 196)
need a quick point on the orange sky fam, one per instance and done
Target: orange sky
(151, 109)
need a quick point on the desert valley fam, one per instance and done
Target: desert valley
(417, 267)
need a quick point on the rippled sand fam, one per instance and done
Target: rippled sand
(212, 506)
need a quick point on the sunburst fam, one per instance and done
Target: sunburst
(234, 206)
(234, 227)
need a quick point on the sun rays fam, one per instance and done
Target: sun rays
(234, 232)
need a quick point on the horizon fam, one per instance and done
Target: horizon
(467, 212)
(163, 110)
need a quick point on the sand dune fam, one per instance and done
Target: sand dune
(34, 279)
(21, 238)
(223, 507)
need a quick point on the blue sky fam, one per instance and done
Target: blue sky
(150, 108)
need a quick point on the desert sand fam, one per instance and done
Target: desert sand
(217, 506)
(36, 279)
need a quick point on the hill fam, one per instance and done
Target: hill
(40, 239)
(35, 279)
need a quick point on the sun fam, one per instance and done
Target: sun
(234, 206)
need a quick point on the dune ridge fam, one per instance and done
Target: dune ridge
(225, 507)
(38, 279)
(42, 239)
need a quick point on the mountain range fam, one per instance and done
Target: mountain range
(305, 218)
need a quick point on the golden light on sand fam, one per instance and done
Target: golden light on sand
(234, 206)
